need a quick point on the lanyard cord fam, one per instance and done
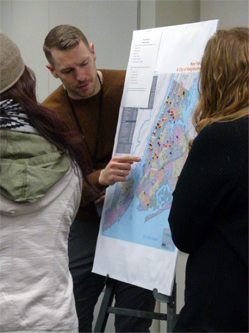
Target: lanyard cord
(80, 128)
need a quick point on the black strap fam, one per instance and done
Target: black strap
(80, 128)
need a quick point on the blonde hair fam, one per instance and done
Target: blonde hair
(223, 82)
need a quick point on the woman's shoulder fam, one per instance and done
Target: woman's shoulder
(219, 138)
(227, 130)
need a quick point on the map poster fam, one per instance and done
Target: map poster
(134, 243)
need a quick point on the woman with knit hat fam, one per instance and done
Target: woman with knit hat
(41, 175)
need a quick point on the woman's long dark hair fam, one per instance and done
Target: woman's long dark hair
(47, 122)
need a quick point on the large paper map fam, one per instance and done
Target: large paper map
(139, 208)
(155, 122)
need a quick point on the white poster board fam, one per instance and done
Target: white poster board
(160, 93)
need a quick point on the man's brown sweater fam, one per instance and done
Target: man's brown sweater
(88, 112)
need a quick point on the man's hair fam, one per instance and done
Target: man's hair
(62, 37)
(223, 82)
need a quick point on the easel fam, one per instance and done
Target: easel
(106, 308)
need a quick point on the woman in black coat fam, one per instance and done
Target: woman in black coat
(209, 213)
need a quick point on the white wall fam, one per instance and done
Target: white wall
(147, 14)
(160, 13)
(173, 12)
(108, 24)
(157, 13)
(230, 13)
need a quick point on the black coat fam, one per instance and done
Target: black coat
(209, 220)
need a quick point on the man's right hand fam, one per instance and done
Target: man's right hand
(117, 169)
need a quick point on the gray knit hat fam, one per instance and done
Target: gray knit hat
(11, 63)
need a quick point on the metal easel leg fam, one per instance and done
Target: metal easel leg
(106, 308)
(106, 302)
